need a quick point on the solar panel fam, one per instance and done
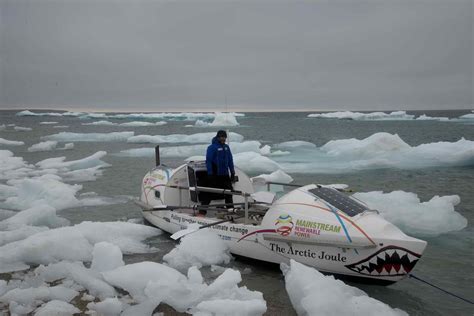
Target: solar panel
(339, 200)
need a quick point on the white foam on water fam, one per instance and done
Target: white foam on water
(61, 126)
(414, 217)
(48, 123)
(376, 116)
(199, 138)
(7, 142)
(305, 288)
(202, 248)
(89, 137)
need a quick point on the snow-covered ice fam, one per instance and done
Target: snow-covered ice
(312, 293)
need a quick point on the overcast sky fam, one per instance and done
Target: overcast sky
(261, 55)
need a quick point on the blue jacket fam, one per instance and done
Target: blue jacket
(219, 159)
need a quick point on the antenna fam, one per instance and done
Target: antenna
(226, 117)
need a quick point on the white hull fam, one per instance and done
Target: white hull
(301, 226)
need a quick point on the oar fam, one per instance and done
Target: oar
(188, 231)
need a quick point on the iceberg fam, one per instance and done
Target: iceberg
(220, 119)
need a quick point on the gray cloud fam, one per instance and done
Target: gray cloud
(152, 55)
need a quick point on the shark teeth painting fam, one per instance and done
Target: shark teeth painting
(388, 261)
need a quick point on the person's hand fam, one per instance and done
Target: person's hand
(232, 178)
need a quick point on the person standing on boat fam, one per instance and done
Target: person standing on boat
(220, 165)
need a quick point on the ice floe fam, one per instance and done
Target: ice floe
(7, 142)
(192, 252)
(405, 210)
(198, 138)
(22, 129)
(348, 115)
(128, 124)
(184, 116)
(49, 145)
(276, 176)
(425, 117)
(312, 293)
(189, 150)
(380, 150)
(56, 307)
(54, 245)
(90, 137)
(153, 283)
(220, 119)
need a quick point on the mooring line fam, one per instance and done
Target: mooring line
(443, 290)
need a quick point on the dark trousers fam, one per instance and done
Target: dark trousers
(221, 182)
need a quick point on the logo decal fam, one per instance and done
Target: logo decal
(285, 224)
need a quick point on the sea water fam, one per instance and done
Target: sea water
(447, 261)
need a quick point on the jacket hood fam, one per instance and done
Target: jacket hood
(215, 140)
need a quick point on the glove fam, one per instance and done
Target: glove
(232, 178)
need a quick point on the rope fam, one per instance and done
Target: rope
(437, 287)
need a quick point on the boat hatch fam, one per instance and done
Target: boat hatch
(339, 200)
